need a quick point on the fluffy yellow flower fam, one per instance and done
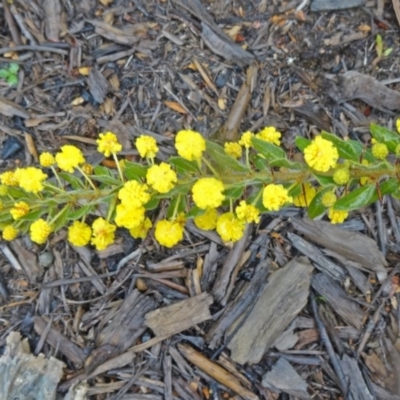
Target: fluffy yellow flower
(40, 231)
(134, 194)
(247, 212)
(146, 146)
(270, 134)
(230, 228)
(208, 220)
(47, 160)
(328, 199)
(336, 216)
(168, 233)
(129, 217)
(103, 233)
(19, 210)
(233, 149)
(275, 197)
(108, 144)
(321, 154)
(304, 199)
(207, 193)
(341, 176)
(247, 140)
(398, 125)
(79, 234)
(30, 179)
(8, 178)
(380, 151)
(190, 144)
(161, 178)
(140, 231)
(69, 158)
(10, 233)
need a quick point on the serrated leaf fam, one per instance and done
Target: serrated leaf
(384, 135)
(73, 180)
(176, 205)
(13, 68)
(269, 150)
(134, 171)
(360, 197)
(224, 162)
(302, 143)
(183, 166)
(347, 149)
(80, 212)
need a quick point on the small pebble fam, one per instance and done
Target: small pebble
(46, 259)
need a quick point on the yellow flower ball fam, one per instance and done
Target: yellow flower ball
(161, 178)
(47, 160)
(140, 231)
(208, 220)
(10, 233)
(190, 144)
(328, 199)
(380, 151)
(108, 144)
(129, 217)
(247, 212)
(40, 231)
(341, 176)
(79, 234)
(103, 233)
(230, 228)
(19, 210)
(336, 216)
(8, 178)
(305, 197)
(207, 193)
(275, 197)
(168, 233)
(134, 194)
(321, 154)
(146, 146)
(87, 169)
(30, 179)
(69, 158)
(398, 125)
(233, 149)
(270, 134)
(247, 140)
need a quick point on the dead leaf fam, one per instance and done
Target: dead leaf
(175, 106)
(30, 144)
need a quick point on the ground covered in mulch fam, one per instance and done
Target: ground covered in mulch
(297, 308)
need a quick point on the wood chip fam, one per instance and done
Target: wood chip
(11, 109)
(167, 321)
(284, 378)
(282, 299)
(324, 5)
(52, 9)
(98, 85)
(396, 8)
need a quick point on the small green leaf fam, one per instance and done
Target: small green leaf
(269, 150)
(134, 171)
(379, 45)
(285, 163)
(73, 180)
(360, 197)
(12, 80)
(234, 192)
(183, 166)
(324, 180)
(102, 171)
(195, 212)
(108, 180)
(384, 135)
(80, 212)
(387, 52)
(5, 216)
(302, 143)
(34, 215)
(347, 149)
(153, 203)
(62, 219)
(4, 73)
(176, 205)
(13, 68)
(222, 160)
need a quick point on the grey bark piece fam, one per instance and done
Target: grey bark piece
(280, 301)
(283, 377)
(352, 245)
(338, 299)
(325, 5)
(357, 386)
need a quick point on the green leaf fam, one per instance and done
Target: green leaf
(5, 216)
(302, 143)
(182, 188)
(195, 212)
(102, 171)
(73, 180)
(234, 192)
(176, 205)
(379, 45)
(269, 150)
(390, 186)
(34, 215)
(316, 208)
(80, 212)
(224, 162)
(4, 73)
(347, 149)
(183, 166)
(62, 219)
(285, 163)
(324, 180)
(13, 68)
(259, 162)
(134, 171)
(384, 135)
(12, 80)
(153, 203)
(108, 180)
(360, 197)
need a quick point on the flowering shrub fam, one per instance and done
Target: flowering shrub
(220, 188)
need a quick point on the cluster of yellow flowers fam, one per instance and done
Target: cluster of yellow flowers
(195, 184)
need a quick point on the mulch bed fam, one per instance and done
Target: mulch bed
(297, 308)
